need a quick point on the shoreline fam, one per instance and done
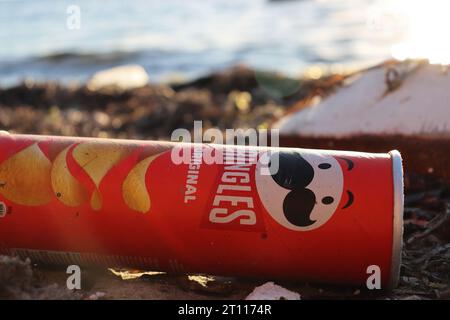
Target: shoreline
(238, 97)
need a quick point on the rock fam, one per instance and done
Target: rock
(19, 281)
(96, 296)
(271, 291)
(120, 78)
(15, 277)
(397, 105)
(409, 98)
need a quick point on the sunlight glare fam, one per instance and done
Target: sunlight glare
(427, 25)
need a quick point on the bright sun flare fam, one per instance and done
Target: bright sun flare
(428, 23)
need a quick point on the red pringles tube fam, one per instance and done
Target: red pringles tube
(314, 215)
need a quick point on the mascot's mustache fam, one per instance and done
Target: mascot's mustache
(295, 173)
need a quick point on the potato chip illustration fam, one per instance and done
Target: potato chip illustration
(96, 200)
(97, 159)
(134, 190)
(25, 177)
(67, 189)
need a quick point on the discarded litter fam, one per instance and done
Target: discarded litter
(271, 291)
(165, 207)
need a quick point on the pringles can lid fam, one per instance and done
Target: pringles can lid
(397, 236)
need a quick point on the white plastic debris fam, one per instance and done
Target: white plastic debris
(96, 296)
(271, 291)
(397, 99)
(123, 77)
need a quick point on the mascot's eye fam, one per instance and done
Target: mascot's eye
(327, 200)
(294, 172)
(324, 166)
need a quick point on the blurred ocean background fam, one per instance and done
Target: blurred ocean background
(183, 39)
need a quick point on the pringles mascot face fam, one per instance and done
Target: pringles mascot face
(301, 191)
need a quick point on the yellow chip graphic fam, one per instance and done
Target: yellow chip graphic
(134, 190)
(25, 177)
(67, 189)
